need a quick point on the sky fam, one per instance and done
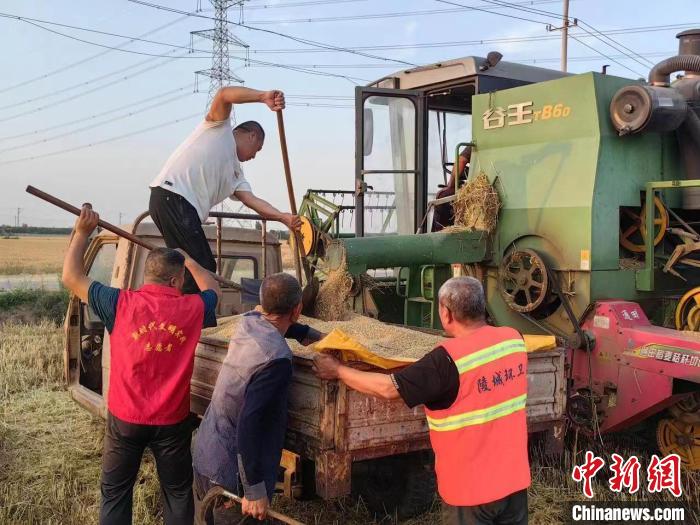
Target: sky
(121, 112)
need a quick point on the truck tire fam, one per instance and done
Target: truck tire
(402, 486)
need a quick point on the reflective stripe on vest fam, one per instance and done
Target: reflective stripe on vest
(477, 417)
(491, 353)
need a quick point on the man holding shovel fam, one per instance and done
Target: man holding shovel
(205, 170)
(153, 334)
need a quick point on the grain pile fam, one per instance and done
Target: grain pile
(476, 205)
(382, 339)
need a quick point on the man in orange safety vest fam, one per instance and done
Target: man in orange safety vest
(474, 388)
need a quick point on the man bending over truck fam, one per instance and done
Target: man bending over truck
(205, 170)
(153, 334)
(239, 442)
(474, 388)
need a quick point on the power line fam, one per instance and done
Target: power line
(141, 131)
(149, 99)
(527, 9)
(277, 33)
(85, 60)
(262, 63)
(322, 105)
(397, 14)
(474, 8)
(302, 4)
(486, 41)
(83, 93)
(105, 141)
(111, 48)
(189, 49)
(96, 124)
(520, 60)
(96, 115)
(649, 63)
(78, 85)
(594, 57)
(617, 46)
(606, 56)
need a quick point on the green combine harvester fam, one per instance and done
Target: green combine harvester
(598, 235)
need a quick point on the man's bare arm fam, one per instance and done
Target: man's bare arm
(74, 277)
(203, 277)
(267, 210)
(226, 97)
(370, 383)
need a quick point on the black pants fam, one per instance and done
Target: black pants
(123, 447)
(180, 226)
(511, 510)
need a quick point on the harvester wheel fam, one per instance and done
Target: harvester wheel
(523, 280)
(637, 229)
(688, 311)
(687, 410)
(676, 437)
(308, 236)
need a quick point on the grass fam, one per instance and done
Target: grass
(50, 448)
(32, 254)
(50, 453)
(25, 305)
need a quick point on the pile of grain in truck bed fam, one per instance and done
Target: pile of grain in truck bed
(382, 339)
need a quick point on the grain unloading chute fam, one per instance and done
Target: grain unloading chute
(579, 163)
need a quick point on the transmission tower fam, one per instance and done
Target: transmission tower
(219, 74)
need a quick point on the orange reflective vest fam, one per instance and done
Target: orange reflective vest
(480, 442)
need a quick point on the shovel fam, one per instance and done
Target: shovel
(217, 492)
(308, 297)
(114, 229)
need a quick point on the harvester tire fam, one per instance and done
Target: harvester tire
(676, 437)
(687, 410)
(686, 310)
(402, 486)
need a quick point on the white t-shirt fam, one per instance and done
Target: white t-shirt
(204, 169)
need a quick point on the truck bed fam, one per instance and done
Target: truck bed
(334, 425)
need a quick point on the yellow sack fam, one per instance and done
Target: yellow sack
(539, 343)
(351, 350)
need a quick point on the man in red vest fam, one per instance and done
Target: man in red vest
(474, 388)
(153, 335)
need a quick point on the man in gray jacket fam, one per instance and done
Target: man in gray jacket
(239, 443)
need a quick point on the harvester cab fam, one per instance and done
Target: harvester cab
(595, 238)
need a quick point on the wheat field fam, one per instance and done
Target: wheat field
(32, 254)
(50, 451)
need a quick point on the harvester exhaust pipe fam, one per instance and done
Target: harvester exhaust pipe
(688, 60)
(661, 108)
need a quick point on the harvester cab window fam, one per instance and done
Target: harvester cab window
(389, 166)
(446, 130)
(449, 128)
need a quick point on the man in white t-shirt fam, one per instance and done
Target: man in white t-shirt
(206, 169)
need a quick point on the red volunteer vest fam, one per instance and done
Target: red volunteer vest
(480, 442)
(152, 346)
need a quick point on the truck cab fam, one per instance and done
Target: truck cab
(241, 253)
